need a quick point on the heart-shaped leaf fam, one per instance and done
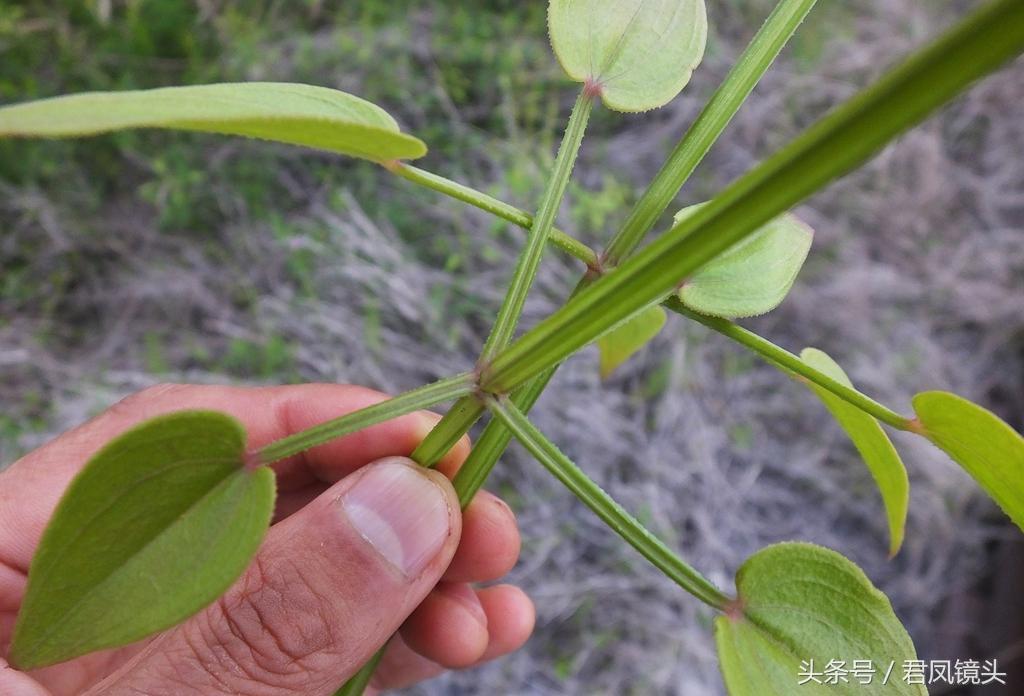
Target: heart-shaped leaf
(752, 277)
(155, 527)
(805, 612)
(871, 441)
(640, 53)
(979, 441)
(619, 344)
(315, 117)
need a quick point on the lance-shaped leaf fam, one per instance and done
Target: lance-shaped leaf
(979, 441)
(871, 441)
(800, 603)
(297, 114)
(640, 53)
(618, 345)
(155, 527)
(752, 277)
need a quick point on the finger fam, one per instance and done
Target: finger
(510, 621)
(293, 498)
(449, 627)
(15, 683)
(288, 503)
(328, 587)
(511, 618)
(32, 486)
(400, 667)
(452, 461)
(490, 541)
(489, 546)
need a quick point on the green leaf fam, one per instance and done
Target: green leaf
(155, 527)
(871, 441)
(708, 126)
(297, 114)
(979, 441)
(752, 277)
(619, 344)
(800, 602)
(640, 52)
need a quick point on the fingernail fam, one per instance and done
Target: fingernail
(401, 512)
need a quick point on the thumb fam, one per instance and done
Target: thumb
(329, 586)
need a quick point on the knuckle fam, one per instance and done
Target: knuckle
(272, 628)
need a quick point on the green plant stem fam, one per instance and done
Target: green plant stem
(423, 397)
(357, 684)
(465, 413)
(838, 143)
(492, 443)
(543, 221)
(522, 279)
(449, 430)
(492, 205)
(788, 362)
(495, 438)
(613, 514)
(709, 125)
(688, 153)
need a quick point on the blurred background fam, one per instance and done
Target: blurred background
(148, 256)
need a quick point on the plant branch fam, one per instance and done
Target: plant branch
(788, 362)
(529, 259)
(492, 205)
(837, 144)
(449, 430)
(692, 148)
(712, 121)
(457, 422)
(493, 441)
(613, 514)
(465, 413)
(423, 397)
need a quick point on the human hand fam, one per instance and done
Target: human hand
(363, 543)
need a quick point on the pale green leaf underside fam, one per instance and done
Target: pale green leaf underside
(619, 344)
(979, 441)
(641, 52)
(297, 114)
(871, 441)
(155, 527)
(752, 277)
(801, 602)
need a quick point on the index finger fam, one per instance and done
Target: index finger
(31, 487)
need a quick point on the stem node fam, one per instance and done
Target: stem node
(733, 609)
(593, 88)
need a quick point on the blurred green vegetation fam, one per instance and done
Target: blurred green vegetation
(427, 64)
(474, 79)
